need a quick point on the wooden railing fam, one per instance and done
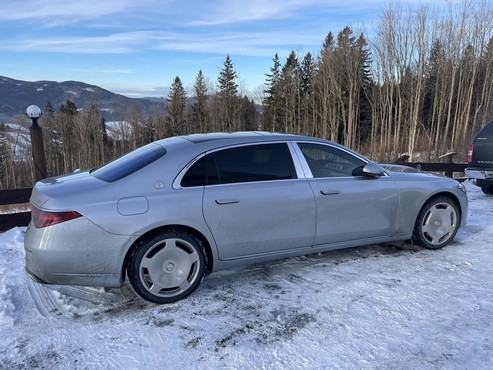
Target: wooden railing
(19, 196)
(14, 196)
(448, 167)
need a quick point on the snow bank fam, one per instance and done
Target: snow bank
(392, 306)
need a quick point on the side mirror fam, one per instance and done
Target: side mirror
(372, 170)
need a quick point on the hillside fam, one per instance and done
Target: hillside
(17, 95)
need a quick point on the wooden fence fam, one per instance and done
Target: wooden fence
(19, 196)
(14, 196)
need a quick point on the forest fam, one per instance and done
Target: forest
(417, 82)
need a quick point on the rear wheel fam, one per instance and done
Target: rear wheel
(437, 223)
(487, 189)
(167, 267)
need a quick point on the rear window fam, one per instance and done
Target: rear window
(486, 133)
(129, 163)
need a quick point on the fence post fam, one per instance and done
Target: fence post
(37, 144)
(449, 156)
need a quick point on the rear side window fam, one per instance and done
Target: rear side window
(203, 172)
(486, 134)
(264, 162)
(129, 163)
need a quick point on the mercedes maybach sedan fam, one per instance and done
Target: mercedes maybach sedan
(167, 214)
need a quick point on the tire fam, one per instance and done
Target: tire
(437, 223)
(487, 189)
(167, 267)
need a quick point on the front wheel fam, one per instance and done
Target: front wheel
(167, 267)
(437, 223)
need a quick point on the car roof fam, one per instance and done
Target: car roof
(198, 143)
(200, 138)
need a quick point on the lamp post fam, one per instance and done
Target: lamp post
(38, 149)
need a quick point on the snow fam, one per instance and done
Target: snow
(118, 130)
(380, 307)
(18, 140)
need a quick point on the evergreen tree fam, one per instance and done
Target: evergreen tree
(272, 100)
(307, 108)
(176, 108)
(249, 114)
(366, 90)
(228, 101)
(227, 85)
(290, 83)
(68, 108)
(199, 107)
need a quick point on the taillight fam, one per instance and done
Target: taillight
(469, 153)
(42, 219)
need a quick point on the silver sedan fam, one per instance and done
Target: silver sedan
(167, 214)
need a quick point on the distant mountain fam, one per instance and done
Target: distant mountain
(17, 95)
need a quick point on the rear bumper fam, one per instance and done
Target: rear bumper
(76, 252)
(480, 174)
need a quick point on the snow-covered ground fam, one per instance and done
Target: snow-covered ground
(379, 307)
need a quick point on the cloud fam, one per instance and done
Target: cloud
(68, 11)
(137, 91)
(224, 12)
(54, 13)
(115, 70)
(118, 43)
(230, 12)
(239, 42)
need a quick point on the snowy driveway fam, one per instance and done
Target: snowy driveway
(375, 307)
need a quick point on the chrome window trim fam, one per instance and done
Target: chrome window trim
(306, 167)
(294, 157)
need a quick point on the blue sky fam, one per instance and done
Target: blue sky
(137, 47)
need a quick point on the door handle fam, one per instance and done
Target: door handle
(330, 192)
(227, 201)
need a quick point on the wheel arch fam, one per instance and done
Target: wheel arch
(448, 195)
(171, 228)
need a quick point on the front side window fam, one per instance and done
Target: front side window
(263, 162)
(327, 161)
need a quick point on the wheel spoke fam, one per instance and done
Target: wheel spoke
(169, 267)
(146, 263)
(185, 284)
(155, 289)
(439, 223)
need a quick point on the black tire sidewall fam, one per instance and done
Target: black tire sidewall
(133, 268)
(418, 234)
(487, 189)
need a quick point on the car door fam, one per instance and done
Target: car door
(255, 204)
(349, 206)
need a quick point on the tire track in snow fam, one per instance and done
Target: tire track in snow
(44, 301)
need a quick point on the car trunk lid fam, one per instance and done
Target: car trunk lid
(50, 193)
